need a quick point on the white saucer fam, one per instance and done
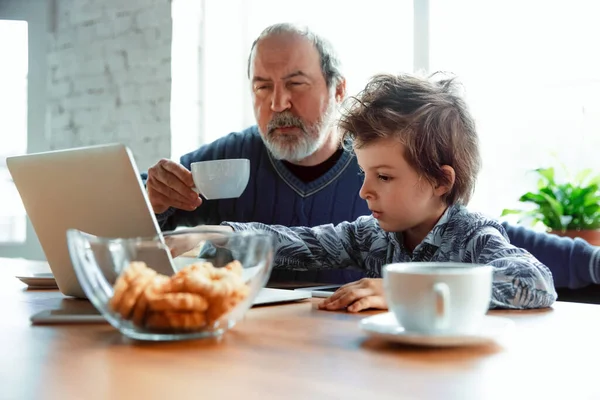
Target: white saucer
(43, 280)
(385, 326)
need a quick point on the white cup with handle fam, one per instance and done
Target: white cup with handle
(221, 179)
(438, 297)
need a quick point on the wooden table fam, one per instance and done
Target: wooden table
(291, 351)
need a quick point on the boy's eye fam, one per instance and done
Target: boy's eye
(383, 178)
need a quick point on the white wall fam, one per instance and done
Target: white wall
(99, 72)
(109, 76)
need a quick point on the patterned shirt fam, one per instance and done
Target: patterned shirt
(520, 280)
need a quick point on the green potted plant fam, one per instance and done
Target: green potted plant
(567, 209)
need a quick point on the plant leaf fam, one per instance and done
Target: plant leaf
(508, 211)
(547, 173)
(555, 206)
(582, 175)
(542, 183)
(531, 217)
(591, 209)
(533, 198)
(574, 204)
(595, 180)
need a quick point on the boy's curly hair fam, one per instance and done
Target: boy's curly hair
(431, 121)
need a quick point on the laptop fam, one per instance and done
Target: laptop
(98, 190)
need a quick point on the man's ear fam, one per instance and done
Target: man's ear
(340, 91)
(445, 187)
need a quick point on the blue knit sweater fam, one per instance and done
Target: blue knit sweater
(574, 263)
(274, 196)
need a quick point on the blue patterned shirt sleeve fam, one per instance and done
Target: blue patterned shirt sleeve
(520, 280)
(360, 244)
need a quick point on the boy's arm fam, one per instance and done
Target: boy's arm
(574, 263)
(320, 247)
(520, 280)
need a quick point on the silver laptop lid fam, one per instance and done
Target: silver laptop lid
(95, 189)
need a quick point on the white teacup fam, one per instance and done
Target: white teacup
(221, 179)
(436, 297)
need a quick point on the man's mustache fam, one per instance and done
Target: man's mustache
(285, 119)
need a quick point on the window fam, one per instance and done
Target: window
(530, 70)
(13, 124)
(186, 72)
(370, 37)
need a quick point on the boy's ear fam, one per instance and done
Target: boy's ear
(445, 187)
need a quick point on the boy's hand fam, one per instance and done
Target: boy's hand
(356, 296)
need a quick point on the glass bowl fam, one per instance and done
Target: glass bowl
(185, 284)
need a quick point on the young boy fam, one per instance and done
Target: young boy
(416, 142)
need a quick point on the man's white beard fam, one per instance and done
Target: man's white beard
(296, 147)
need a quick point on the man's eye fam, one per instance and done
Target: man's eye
(296, 83)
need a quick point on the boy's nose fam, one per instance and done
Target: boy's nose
(365, 193)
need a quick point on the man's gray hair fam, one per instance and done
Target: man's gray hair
(330, 63)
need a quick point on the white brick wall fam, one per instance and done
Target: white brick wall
(109, 76)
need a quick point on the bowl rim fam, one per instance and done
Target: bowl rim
(180, 231)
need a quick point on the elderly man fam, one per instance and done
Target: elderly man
(300, 175)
